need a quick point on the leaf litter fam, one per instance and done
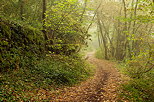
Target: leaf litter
(103, 87)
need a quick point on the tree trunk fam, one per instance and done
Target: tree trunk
(21, 9)
(43, 18)
(103, 38)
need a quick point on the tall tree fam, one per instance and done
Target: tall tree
(43, 18)
(21, 3)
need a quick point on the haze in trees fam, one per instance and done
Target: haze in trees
(47, 44)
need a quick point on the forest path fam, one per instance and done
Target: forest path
(100, 88)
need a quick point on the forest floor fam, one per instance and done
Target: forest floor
(102, 87)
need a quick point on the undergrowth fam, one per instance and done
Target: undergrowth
(99, 54)
(29, 63)
(49, 73)
(136, 88)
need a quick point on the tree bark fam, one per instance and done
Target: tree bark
(21, 9)
(103, 38)
(43, 18)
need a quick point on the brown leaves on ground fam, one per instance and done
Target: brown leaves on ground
(101, 88)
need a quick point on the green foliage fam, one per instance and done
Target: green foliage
(140, 71)
(31, 11)
(63, 24)
(99, 54)
(23, 84)
(63, 70)
(139, 90)
(28, 62)
(18, 42)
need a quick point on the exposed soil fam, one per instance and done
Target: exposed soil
(100, 88)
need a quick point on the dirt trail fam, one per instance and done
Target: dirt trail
(101, 88)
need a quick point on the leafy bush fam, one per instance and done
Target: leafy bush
(63, 70)
(48, 73)
(139, 90)
(18, 42)
(140, 87)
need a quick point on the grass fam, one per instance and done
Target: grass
(49, 73)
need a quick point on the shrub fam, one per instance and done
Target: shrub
(18, 41)
(55, 71)
(139, 90)
(140, 87)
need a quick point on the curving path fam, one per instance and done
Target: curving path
(101, 88)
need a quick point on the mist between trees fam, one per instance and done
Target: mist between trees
(126, 34)
(35, 32)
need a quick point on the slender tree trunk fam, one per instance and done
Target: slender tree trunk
(119, 39)
(43, 18)
(21, 9)
(107, 36)
(99, 37)
(125, 41)
(133, 31)
(103, 38)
